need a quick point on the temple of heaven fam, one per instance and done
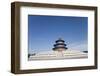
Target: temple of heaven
(60, 45)
(60, 51)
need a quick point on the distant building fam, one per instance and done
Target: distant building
(60, 51)
(85, 51)
(60, 45)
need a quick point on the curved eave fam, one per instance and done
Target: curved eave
(59, 47)
(60, 41)
(59, 44)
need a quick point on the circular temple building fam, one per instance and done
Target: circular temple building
(60, 45)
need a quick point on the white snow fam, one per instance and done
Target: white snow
(51, 55)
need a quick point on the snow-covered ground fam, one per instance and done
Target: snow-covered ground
(55, 55)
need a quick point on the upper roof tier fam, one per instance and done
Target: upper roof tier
(60, 40)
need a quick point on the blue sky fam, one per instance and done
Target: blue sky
(44, 30)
